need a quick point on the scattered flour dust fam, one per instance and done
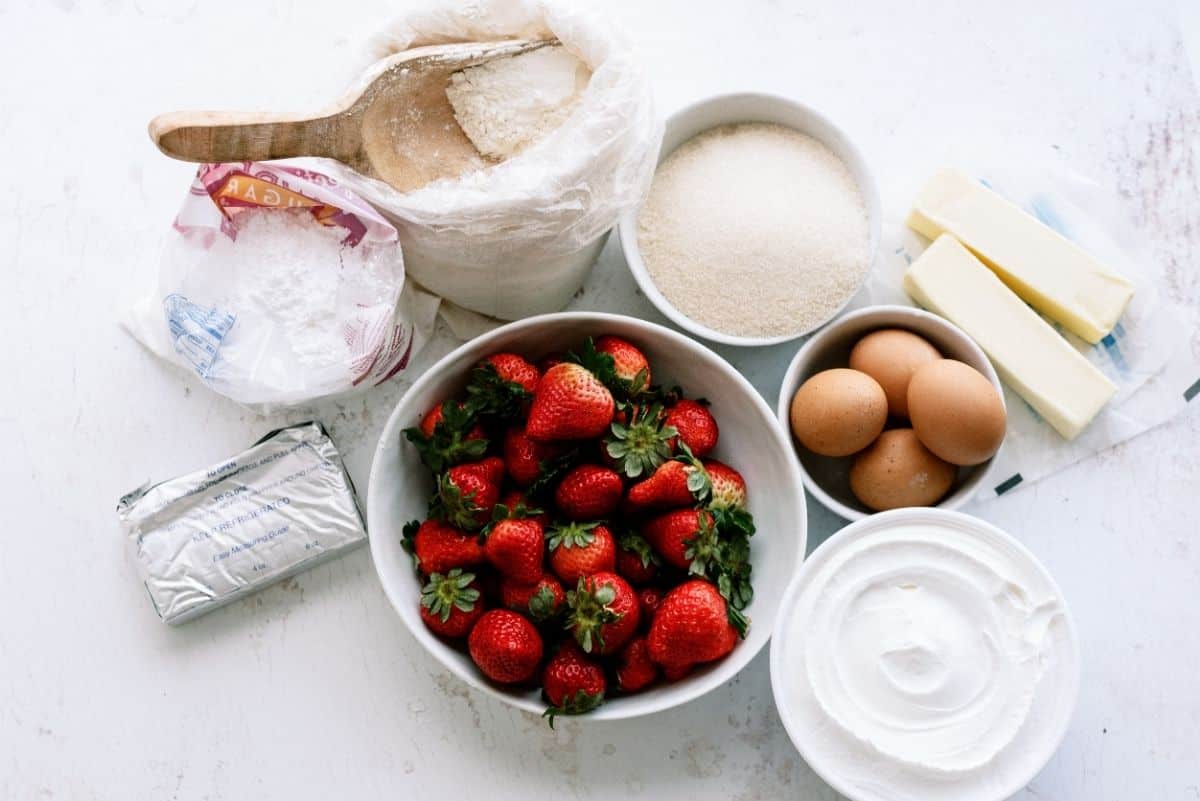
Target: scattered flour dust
(508, 104)
(755, 229)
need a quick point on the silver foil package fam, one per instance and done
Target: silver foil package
(210, 537)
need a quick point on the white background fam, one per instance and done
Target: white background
(313, 689)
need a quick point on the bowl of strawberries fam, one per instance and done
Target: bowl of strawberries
(586, 514)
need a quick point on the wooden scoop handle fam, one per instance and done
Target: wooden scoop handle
(224, 136)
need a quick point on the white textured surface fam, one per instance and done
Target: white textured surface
(313, 689)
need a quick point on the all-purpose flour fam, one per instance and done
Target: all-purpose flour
(755, 230)
(506, 105)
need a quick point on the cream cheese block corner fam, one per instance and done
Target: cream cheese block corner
(1048, 271)
(1031, 357)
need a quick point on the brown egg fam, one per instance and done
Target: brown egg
(956, 412)
(838, 412)
(891, 356)
(897, 470)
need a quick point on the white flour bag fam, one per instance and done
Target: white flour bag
(278, 287)
(519, 237)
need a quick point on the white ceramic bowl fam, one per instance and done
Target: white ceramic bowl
(750, 107)
(750, 441)
(828, 478)
(817, 738)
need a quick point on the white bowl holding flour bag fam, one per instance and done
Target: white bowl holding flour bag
(518, 238)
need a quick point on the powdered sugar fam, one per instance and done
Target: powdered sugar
(755, 230)
(292, 288)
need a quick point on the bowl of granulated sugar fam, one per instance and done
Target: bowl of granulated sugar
(761, 223)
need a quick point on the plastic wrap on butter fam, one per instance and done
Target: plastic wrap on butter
(210, 537)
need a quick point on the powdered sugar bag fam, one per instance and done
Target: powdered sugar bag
(519, 237)
(279, 286)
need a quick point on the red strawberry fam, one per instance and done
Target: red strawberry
(691, 626)
(573, 684)
(505, 646)
(513, 368)
(518, 505)
(639, 443)
(672, 485)
(514, 547)
(439, 547)
(569, 404)
(436, 415)
(728, 486)
(448, 434)
(696, 426)
(604, 613)
(684, 538)
(629, 363)
(635, 671)
(636, 561)
(523, 457)
(450, 604)
(648, 600)
(588, 492)
(490, 469)
(541, 600)
(673, 673)
(581, 549)
(465, 495)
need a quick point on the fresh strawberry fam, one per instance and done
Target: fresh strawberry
(524, 458)
(635, 671)
(684, 538)
(642, 442)
(648, 600)
(674, 484)
(518, 505)
(541, 600)
(604, 613)
(696, 426)
(465, 496)
(439, 547)
(636, 561)
(450, 604)
(691, 626)
(514, 369)
(490, 469)
(514, 547)
(569, 404)
(573, 684)
(501, 387)
(505, 646)
(588, 492)
(728, 486)
(447, 435)
(629, 364)
(674, 673)
(581, 549)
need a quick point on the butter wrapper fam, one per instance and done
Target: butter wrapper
(210, 537)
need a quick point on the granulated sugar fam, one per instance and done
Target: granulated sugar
(756, 230)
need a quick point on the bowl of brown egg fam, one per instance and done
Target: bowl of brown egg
(890, 407)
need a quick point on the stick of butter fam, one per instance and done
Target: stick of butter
(1049, 271)
(1030, 356)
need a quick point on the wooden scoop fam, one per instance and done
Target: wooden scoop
(397, 125)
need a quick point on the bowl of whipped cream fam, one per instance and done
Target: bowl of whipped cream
(924, 654)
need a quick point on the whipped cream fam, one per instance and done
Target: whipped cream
(925, 655)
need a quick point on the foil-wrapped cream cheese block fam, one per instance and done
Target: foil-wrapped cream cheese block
(210, 537)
